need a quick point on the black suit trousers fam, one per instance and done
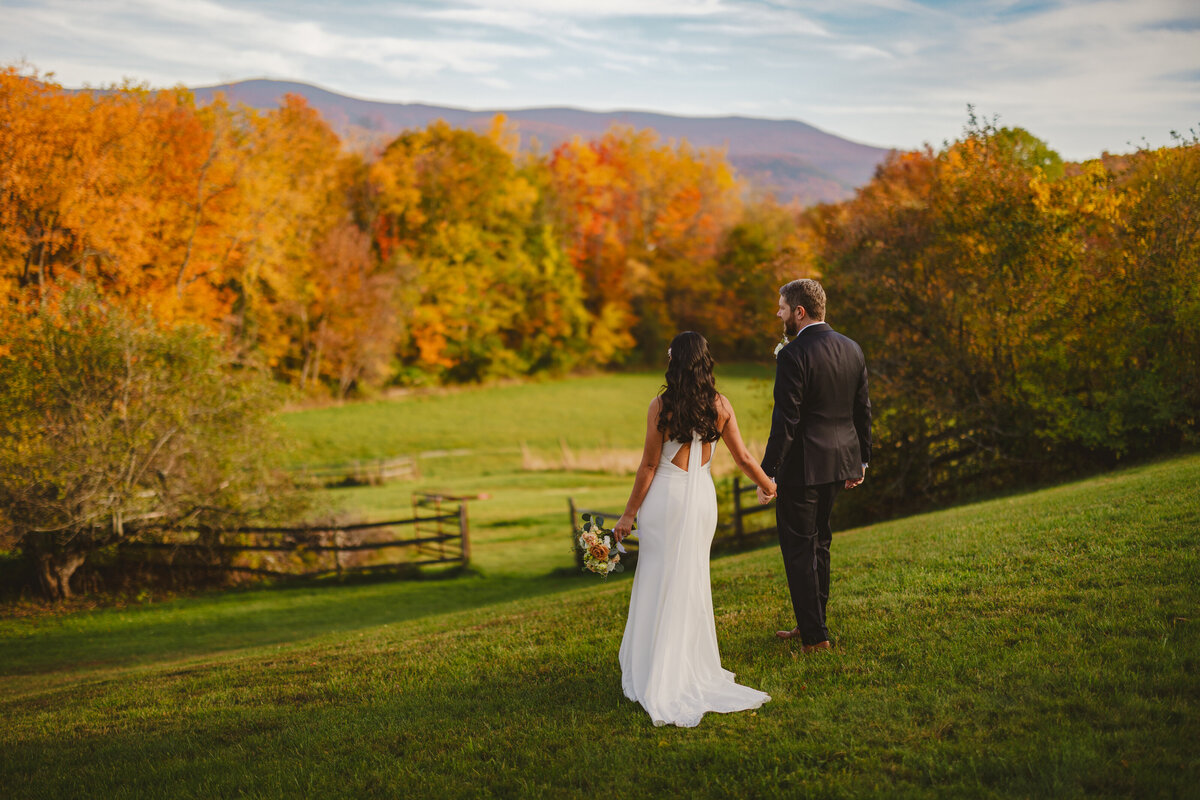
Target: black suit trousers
(802, 515)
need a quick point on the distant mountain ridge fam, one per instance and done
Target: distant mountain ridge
(796, 161)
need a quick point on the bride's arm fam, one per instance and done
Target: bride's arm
(737, 448)
(651, 452)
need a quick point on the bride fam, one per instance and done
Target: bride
(669, 658)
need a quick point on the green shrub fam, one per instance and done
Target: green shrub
(113, 428)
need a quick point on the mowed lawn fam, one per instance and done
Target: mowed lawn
(593, 411)
(469, 442)
(1043, 645)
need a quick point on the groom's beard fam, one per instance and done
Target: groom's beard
(790, 327)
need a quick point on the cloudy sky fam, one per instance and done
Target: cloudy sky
(1085, 75)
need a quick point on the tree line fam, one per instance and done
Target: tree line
(1022, 317)
(447, 256)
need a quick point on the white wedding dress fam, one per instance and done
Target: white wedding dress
(669, 658)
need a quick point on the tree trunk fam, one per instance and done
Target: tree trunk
(55, 571)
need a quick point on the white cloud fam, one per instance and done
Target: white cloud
(1084, 74)
(606, 8)
(755, 20)
(1100, 60)
(510, 19)
(858, 52)
(198, 36)
(572, 73)
(852, 7)
(496, 83)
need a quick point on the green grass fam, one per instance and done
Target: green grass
(492, 422)
(1042, 645)
(521, 530)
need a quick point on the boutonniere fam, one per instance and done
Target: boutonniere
(782, 344)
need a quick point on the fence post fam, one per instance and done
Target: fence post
(738, 528)
(464, 533)
(574, 545)
(337, 554)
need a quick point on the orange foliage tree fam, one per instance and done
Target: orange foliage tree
(764, 250)
(1016, 314)
(1020, 315)
(644, 223)
(215, 215)
(446, 258)
(130, 188)
(482, 280)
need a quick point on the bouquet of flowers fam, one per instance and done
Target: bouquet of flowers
(596, 542)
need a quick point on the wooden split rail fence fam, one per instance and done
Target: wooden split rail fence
(441, 537)
(373, 471)
(740, 514)
(740, 534)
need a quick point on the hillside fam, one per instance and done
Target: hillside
(796, 160)
(1042, 645)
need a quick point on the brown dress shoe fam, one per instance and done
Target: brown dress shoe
(812, 648)
(794, 633)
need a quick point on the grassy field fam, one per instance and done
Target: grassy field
(470, 442)
(596, 411)
(1043, 645)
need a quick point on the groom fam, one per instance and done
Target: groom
(820, 443)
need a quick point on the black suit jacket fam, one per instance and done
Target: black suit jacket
(821, 425)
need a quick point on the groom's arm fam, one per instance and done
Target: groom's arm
(789, 393)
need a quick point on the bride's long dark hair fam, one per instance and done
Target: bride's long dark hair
(689, 400)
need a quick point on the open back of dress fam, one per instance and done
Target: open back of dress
(678, 453)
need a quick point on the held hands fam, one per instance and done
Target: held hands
(623, 527)
(766, 497)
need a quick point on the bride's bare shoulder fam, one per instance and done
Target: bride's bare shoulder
(724, 409)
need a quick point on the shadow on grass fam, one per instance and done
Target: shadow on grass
(279, 614)
(1037, 648)
(387, 743)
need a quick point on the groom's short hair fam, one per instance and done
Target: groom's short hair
(807, 293)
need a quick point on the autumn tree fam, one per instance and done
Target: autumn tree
(998, 300)
(133, 189)
(348, 319)
(1153, 342)
(764, 250)
(482, 281)
(113, 427)
(292, 192)
(644, 222)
